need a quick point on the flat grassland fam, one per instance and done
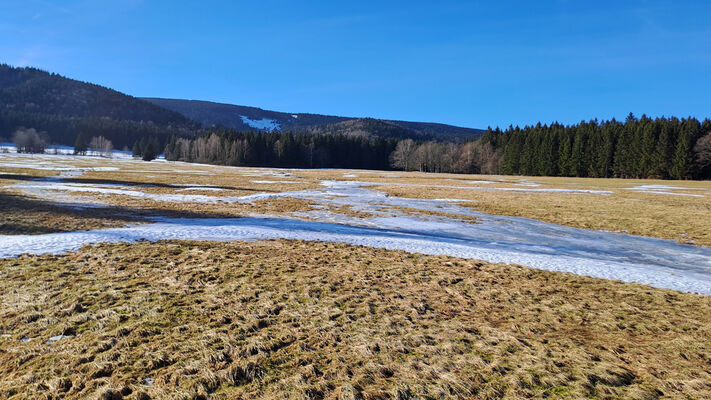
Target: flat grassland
(290, 319)
(294, 319)
(678, 210)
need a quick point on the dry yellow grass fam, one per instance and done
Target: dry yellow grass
(685, 219)
(22, 215)
(285, 319)
(417, 212)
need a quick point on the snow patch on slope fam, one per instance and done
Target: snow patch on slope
(264, 124)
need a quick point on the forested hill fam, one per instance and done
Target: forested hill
(64, 107)
(243, 118)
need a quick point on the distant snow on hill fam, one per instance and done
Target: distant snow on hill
(210, 114)
(264, 124)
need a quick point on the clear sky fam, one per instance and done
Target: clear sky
(466, 63)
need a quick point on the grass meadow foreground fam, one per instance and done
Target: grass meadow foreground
(291, 319)
(312, 320)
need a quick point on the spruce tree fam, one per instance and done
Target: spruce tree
(150, 150)
(649, 149)
(576, 155)
(81, 144)
(665, 150)
(137, 151)
(682, 160)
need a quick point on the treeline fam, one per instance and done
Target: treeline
(65, 129)
(274, 149)
(473, 157)
(637, 148)
(666, 148)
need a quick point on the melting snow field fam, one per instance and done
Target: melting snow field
(606, 255)
(660, 263)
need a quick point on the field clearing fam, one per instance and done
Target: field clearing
(91, 200)
(678, 210)
(290, 319)
(681, 218)
(623, 209)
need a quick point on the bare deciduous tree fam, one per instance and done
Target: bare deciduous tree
(702, 149)
(29, 141)
(400, 157)
(465, 159)
(488, 159)
(102, 145)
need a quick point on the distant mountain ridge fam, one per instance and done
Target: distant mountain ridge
(250, 118)
(66, 108)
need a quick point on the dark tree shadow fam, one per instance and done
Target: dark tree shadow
(118, 182)
(25, 215)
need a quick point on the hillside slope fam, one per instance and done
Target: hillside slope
(64, 107)
(250, 118)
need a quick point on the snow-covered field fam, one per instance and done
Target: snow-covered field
(435, 229)
(8, 147)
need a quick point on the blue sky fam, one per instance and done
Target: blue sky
(466, 63)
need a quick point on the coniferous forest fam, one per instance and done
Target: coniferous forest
(274, 149)
(666, 148)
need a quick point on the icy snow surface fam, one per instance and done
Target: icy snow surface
(497, 239)
(665, 189)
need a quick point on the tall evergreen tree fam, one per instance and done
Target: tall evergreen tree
(81, 144)
(682, 160)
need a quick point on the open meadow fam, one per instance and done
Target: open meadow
(168, 280)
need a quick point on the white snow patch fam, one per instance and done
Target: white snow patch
(264, 124)
(7, 147)
(478, 182)
(554, 190)
(57, 338)
(47, 187)
(503, 189)
(661, 187)
(665, 189)
(670, 193)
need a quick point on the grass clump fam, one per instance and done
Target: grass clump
(290, 319)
